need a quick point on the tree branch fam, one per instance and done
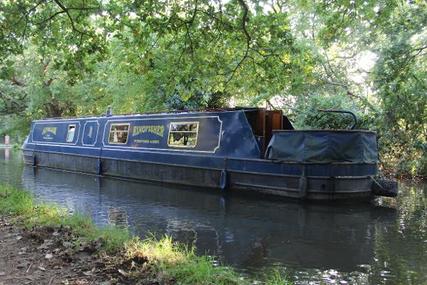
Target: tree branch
(66, 11)
(51, 17)
(245, 19)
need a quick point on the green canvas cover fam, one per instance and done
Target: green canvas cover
(323, 146)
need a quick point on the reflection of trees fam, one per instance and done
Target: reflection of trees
(117, 217)
(400, 249)
(181, 230)
(10, 166)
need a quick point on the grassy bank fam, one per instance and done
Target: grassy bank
(165, 259)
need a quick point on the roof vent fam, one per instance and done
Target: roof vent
(109, 112)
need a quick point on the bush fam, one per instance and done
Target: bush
(309, 116)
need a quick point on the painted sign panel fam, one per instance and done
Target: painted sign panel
(196, 134)
(90, 133)
(145, 133)
(56, 132)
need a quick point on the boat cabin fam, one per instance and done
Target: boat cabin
(229, 133)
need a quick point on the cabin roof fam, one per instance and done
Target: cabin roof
(218, 132)
(155, 114)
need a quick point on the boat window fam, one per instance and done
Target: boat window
(89, 134)
(71, 132)
(119, 133)
(183, 134)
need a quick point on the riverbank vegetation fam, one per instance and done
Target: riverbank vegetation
(74, 57)
(161, 260)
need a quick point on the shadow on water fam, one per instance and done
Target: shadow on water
(365, 243)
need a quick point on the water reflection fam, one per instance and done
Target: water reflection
(7, 154)
(401, 249)
(362, 244)
(244, 232)
(11, 166)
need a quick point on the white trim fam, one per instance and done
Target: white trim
(161, 151)
(112, 147)
(129, 148)
(97, 132)
(59, 122)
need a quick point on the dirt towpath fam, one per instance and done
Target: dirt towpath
(46, 255)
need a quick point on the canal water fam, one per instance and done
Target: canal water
(371, 243)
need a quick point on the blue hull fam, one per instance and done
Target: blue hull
(227, 175)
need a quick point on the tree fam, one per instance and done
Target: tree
(400, 79)
(73, 57)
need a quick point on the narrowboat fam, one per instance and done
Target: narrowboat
(247, 149)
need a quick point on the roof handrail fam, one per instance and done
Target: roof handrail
(342, 112)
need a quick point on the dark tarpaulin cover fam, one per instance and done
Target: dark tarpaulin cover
(323, 146)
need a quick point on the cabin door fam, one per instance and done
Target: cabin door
(90, 133)
(263, 123)
(273, 121)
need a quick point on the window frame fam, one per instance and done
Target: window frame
(68, 131)
(95, 129)
(184, 123)
(127, 136)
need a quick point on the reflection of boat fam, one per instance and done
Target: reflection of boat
(241, 230)
(10, 166)
(6, 153)
(249, 149)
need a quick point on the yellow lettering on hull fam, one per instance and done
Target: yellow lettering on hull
(156, 129)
